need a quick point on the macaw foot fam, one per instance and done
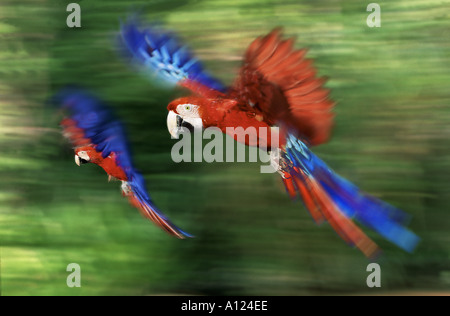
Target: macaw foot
(275, 159)
(280, 162)
(126, 190)
(111, 178)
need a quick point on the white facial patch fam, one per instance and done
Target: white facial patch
(83, 155)
(188, 110)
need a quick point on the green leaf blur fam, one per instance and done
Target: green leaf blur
(391, 138)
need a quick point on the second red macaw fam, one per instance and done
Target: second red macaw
(99, 138)
(276, 86)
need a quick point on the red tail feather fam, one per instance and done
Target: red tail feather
(149, 213)
(290, 187)
(321, 207)
(309, 200)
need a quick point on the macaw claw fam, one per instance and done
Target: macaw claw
(111, 178)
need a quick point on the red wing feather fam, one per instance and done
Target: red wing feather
(271, 65)
(73, 133)
(266, 48)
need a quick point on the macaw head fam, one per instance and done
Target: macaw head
(86, 154)
(186, 113)
(116, 165)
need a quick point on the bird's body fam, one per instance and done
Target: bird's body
(277, 86)
(109, 164)
(99, 138)
(85, 150)
(227, 113)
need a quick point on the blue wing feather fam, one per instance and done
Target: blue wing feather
(163, 55)
(98, 123)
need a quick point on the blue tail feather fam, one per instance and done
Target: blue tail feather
(137, 184)
(376, 214)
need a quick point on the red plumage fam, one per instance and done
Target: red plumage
(282, 85)
(106, 146)
(81, 143)
(275, 84)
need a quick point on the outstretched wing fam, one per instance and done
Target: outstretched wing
(161, 53)
(278, 81)
(91, 125)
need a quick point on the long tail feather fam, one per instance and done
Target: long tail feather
(353, 235)
(328, 196)
(306, 193)
(139, 198)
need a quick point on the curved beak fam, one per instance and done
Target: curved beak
(172, 124)
(78, 160)
(81, 158)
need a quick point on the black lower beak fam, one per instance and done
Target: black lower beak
(179, 121)
(182, 123)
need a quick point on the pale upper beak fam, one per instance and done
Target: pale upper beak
(81, 158)
(177, 124)
(77, 160)
(172, 125)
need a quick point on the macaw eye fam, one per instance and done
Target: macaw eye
(187, 109)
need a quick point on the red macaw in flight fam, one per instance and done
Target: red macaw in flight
(276, 86)
(99, 138)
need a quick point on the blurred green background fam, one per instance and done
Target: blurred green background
(391, 139)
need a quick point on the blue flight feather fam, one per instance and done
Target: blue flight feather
(163, 55)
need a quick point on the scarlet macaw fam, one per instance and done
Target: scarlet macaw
(276, 86)
(99, 138)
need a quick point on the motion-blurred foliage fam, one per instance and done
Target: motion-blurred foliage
(391, 138)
